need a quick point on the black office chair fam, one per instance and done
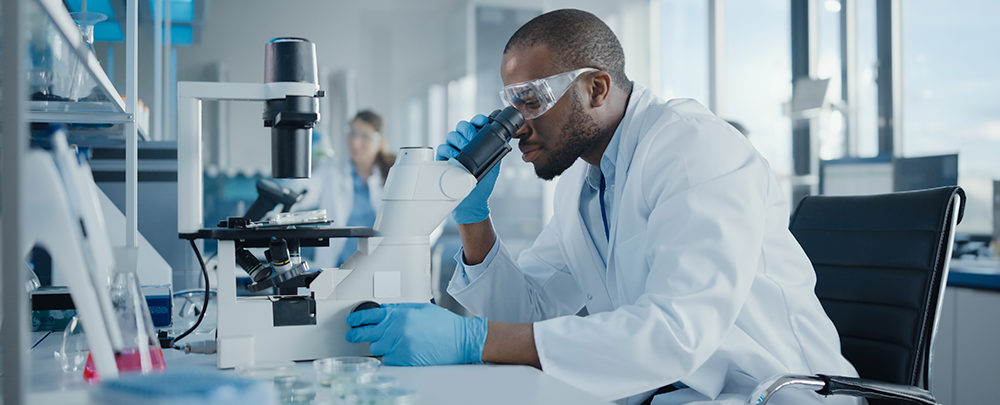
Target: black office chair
(881, 266)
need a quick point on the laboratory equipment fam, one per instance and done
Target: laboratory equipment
(346, 390)
(490, 144)
(291, 117)
(72, 354)
(84, 87)
(392, 263)
(295, 391)
(269, 195)
(290, 92)
(383, 396)
(62, 215)
(52, 62)
(141, 351)
(305, 319)
(346, 369)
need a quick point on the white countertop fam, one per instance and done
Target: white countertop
(459, 384)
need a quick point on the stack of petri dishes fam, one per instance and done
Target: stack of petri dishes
(355, 380)
(288, 383)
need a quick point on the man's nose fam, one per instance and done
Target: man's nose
(522, 132)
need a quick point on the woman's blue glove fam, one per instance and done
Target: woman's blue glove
(475, 207)
(418, 335)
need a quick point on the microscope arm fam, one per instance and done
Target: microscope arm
(419, 193)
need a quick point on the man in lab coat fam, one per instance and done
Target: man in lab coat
(669, 228)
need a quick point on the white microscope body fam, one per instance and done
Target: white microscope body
(393, 266)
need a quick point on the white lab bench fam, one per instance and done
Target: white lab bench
(459, 384)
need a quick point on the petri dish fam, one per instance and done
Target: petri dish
(342, 388)
(297, 392)
(344, 369)
(384, 396)
(267, 370)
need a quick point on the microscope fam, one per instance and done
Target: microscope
(305, 317)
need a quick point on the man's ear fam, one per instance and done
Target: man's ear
(600, 88)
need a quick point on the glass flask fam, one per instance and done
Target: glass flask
(52, 60)
(73, 353)
(142, 353)
(84, 86)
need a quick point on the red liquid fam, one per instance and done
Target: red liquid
(129, 361)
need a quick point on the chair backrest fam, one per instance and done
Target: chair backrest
(881, 266)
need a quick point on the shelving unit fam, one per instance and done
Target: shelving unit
(17, 112)
(113, 110)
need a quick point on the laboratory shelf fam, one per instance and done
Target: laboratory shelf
(102, 97)
(100, 110)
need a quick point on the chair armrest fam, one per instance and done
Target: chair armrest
(836, 385)
(862, 387)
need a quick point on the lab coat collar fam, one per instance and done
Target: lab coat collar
(628, 133)
(609, 162)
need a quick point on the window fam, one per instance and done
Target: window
(950, 87)
(758, 76)
(684, 50)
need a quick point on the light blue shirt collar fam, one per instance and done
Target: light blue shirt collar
(608, 165)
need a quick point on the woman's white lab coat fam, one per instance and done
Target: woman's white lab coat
(331, 187)
(704, 285)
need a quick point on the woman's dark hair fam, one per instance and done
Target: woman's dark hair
(383, 159)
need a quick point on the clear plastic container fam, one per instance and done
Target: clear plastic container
(345, 369)
(72, 355)
(272, 371)
(295, 392)
(344, 388)
(383, 396)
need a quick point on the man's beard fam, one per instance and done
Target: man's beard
(579, 134)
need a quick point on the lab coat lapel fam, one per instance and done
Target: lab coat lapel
(584, 260)
(630, 134)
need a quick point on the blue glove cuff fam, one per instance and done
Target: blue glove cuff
(471, 214)
(475, 339)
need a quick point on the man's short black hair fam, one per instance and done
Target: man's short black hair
(577, 39)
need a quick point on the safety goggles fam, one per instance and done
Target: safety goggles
(534, 97)
(367, 138)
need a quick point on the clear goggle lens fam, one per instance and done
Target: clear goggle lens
(534, 97)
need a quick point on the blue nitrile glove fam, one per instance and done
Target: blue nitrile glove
(474, 208)
(418, 335)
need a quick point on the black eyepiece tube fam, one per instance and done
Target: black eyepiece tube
(291, 118)
(490, 144)
(290, 60)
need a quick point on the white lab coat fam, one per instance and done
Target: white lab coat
(331, 187)
(704, 284)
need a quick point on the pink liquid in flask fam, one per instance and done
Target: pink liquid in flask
(129, 361)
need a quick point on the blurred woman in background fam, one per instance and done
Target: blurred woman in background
(349, 189)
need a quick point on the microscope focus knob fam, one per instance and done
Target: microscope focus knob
(363, 305)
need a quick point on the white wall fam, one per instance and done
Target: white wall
(399, 49)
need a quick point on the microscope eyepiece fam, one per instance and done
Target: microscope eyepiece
(490, 144)
(291, 118)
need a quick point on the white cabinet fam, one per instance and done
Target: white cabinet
(966, 361)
